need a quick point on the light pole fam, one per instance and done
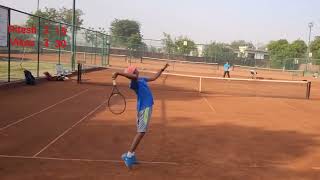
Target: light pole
(38, 5)
(310, 25)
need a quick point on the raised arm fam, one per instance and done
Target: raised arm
(127, 75)
(158, 74)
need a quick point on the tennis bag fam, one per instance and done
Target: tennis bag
(30, 80)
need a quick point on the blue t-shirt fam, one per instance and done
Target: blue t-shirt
(144, 95)
(226, 67)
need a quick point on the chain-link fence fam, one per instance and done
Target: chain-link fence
(39, 44)
(250, 58)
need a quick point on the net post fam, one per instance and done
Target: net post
(39, 34)
(308, 90)
(200, 85)
(79, 73)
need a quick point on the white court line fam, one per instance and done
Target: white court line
(290, 106)
(315, 168)
(36, 113)
(66, 131)
(86, 160)
(211, 107)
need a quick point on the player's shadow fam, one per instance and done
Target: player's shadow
(223, 151)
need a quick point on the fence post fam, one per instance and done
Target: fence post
(39, 34)
(9, 45)
(95, 49)
(59, 46)
(109, 40)
(308, 90)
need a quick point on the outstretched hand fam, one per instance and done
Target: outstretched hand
(114, 75)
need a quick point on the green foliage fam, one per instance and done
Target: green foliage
(280, 51)
(65, 15)
(134, 42)
(154, 49)
(183, 49)
(177, 46)
(168, 43)
(218, 51)
(298, 49)
(126, 33)
(95, 37)
(62, 15)
(315, 48)
(91, 36)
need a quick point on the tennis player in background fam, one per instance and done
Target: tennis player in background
(144, 107)
(226, 68)
(253, 73)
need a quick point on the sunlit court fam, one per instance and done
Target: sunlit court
(108, 102)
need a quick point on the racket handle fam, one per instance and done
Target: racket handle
(114, 82)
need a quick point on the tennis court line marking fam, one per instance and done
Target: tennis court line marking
(74, 125)
(86, 160)
(289, 106)
(142, 162)
(47, 108)
(211, 107)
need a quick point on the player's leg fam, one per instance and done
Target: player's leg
(143, 120)
(136, 141)
(224, 74)
(228, 74)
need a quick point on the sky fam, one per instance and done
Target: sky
(257, 21)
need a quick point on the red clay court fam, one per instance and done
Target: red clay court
(64, 130)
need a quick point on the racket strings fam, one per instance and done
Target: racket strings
(117, 103)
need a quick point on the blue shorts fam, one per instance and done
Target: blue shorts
(143, 119)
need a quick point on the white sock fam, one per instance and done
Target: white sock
(130, 154)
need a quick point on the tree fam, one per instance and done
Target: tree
(90, 36)
(220, 52)
(154, 49)
(62, 15)
(282, 53)
(238, 43)
(279, 51)
(65, 15)
(315, 48)
(168, 43)
(185, 49)
(134, 42)
(298, 49)
(126, 33)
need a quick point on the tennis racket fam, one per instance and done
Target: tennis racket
(166, 76)
(116, 102)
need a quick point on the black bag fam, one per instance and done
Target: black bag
(30, 80)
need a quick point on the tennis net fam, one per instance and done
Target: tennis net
(218, 86)
(292, 72)
(235, 86)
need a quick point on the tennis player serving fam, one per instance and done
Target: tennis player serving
(144, 107)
